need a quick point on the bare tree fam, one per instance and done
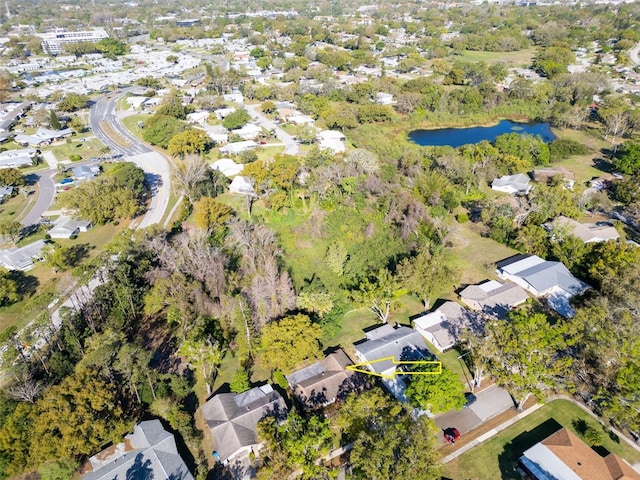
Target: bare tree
(25, 389)
(188, 174)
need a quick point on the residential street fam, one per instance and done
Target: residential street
(284, 137)
(491, 402)
(46, 193)
(154, 164)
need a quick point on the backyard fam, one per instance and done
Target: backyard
(496, 457)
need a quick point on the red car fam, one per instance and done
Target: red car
(451, 435)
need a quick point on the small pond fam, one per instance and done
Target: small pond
(455, 137)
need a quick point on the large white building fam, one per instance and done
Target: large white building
(54, 42)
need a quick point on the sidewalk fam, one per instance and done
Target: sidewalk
(528, 411)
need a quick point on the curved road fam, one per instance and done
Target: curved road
(46, 192)
(106, 125)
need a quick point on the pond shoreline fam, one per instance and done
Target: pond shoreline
(458, 136)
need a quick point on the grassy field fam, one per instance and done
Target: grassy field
(522, 58)
(91, 147)
(131, 122)
(585, 167)
(12, 208)
(476, 255)
(495, 458)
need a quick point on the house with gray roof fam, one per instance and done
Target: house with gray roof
(391, 344)
(5, 192)
(325, 382)
(513, 184)
(443, 326)
(22, 258)
(233, 418)
(543, 278)
(149, 452)
(493, 298)
(85, 172)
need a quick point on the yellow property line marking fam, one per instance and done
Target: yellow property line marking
(361, 367)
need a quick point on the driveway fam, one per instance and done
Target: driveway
(490, 402)
(284, 137)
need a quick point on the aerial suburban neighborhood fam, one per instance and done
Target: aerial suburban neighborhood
(320, 240)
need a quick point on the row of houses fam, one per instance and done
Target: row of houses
(232, 418)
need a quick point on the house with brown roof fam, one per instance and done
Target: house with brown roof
(543, 175)
(564, 456)
(325, 381)
(587, 232)
(493, 298)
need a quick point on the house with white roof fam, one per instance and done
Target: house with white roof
(238, 147)
(221, 113)
(233, 418)
(543, 278)
(43, 136)
(443, 326)
(249, 131)
(67, 227)
(149, 452)
(241, 185)
(513, 184)
(235, 97)
(331, 140)
(494, 298)
(17, 158)
(227, 167)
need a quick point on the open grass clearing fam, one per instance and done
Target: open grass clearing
(131, 123)
(351, 330)
(521, 58)
(12, 208)
(496, 457)
(85, 147)
(476, 255)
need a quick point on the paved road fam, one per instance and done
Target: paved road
(284, 137)
(154, 164)
(491, 402)
(46, 192)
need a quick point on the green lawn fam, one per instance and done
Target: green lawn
(131, 122)
(521, 58)
(585, 167)
(476, 255)
(89, 148)
(351, 330)
(495, 458)
(12, 208)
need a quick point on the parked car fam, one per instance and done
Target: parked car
(451, 435)
(470, 399)
(64, 181)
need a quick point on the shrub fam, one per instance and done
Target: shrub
(280, 379)
(74, 157)
(462, 218)
(562, 148)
